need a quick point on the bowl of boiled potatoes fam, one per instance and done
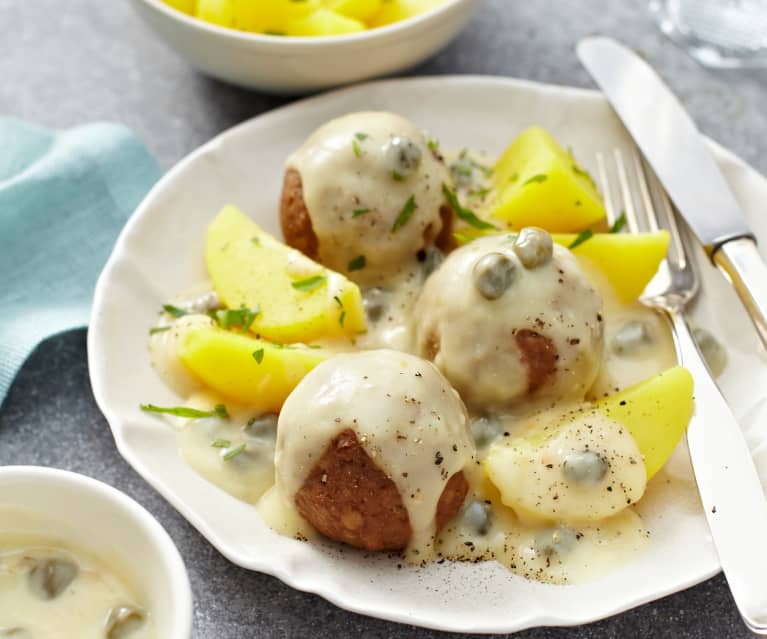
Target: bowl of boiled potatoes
(299, 46)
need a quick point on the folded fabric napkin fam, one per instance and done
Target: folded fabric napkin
(64, 196)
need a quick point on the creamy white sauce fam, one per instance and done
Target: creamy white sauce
(345, 167)
(405, 415)
(79, 607)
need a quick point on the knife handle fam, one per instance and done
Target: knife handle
(729, 486)
(741, 263)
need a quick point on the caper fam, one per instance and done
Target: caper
(430, 258)
(52, 576)
(534, 247)
(630, 337)
(485, 430)
(477, 516)
(493, 274)
(585, 467)
(122, 621)
(555, 541)
(262, 427)
(403, 157)
(375, 301)
(713, 352)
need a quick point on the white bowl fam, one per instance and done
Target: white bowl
(281, 64)
(89, 514)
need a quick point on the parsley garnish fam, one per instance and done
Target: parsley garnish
(242, 317)
(358, 212)
(619, 223)
(397, 177)
(484, 169)
(258, 355)
(158, 329)
(220, 443)
(583, 173)
(405, 214)
(256, 240)
(342, 318)
(309, 284)
(462, 239)
(357, 263)
(541, 177)
(338, 301)
(361, 136)
(514, 177)
(231, 454)
(433, 145)
(465, 214)
(174, 311)
(581, 238)
(190, 413)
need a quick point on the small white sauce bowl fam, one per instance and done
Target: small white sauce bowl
(281, 64)
(88, 514)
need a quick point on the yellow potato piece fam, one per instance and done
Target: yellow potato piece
(300, 300)
(220, 12)
(324, 22)
(361, 10)
(396, 10)
(537, 183)
(185, 6)
(656, 413)
(628, 260)
(228, 363)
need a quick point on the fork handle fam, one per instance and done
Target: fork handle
(730, 489)
(741, 263)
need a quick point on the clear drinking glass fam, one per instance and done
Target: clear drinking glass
(717, 33)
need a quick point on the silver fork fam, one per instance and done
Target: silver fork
(730, 489)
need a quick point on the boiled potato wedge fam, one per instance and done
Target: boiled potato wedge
(299, 300)
(656, 413)
(248, 370)
(361, 10)
(628, 260)
(537, 183)
(324, 22)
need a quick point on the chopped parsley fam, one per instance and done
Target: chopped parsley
(358, 212)
(231, 454)
(397, 177)
(581, 238)
(309, 284)
(258, 355)
(584, 174)
(619, 223)
(338, 301)
(433, 145)
(405, 214)
(463, 213)
(220, 443)
(256, 240)
(242, 317)
(540, 177)
(357, 263)
(361, 136)
(342, 318)
(184, 411)
(356, 148)
(462, 239)
(159, 329)
(174, 311)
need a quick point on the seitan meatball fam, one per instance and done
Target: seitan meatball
(370, 449)
(512, 322)
(365, 185)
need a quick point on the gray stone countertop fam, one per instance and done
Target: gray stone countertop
(65, 63)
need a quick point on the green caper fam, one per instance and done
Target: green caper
(534, 247)
(630, 337)
(555, 541)
(585, 467)
(477, 517)
(402, 156)
(123, 621)
(493, 274)
(52, 576)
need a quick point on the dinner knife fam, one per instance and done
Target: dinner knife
(729, 486)
(672, 144)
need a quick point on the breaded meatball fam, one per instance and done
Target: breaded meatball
(512, 321)
(371, 448)
(365, 185)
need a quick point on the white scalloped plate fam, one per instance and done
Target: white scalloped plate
(160, 252)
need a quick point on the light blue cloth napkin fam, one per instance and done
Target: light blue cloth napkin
(64, 196)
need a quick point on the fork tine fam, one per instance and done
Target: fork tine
(632, 221)
(607, 191)
(644, 191)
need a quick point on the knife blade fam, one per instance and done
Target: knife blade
(672, 144)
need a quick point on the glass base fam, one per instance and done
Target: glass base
(725, 34)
